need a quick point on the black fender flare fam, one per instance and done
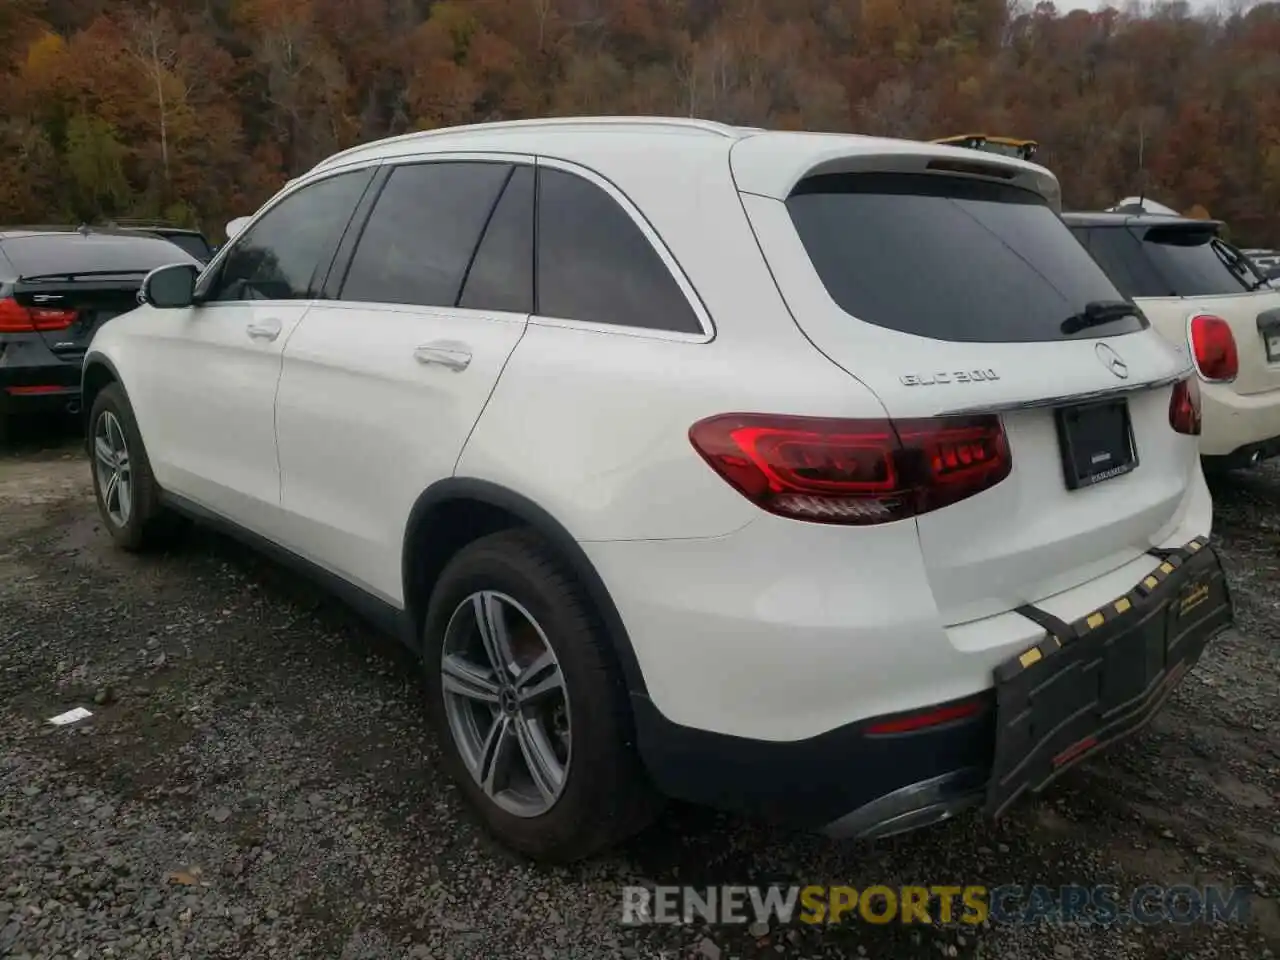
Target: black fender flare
(531, 514)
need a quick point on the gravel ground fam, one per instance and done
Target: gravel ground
(257, 781)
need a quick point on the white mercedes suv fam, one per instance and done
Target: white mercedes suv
(819, 477)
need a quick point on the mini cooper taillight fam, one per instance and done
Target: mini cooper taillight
(1213, 347)
(853, 471)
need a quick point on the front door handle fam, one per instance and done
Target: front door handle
(266, 330)
(455, 356)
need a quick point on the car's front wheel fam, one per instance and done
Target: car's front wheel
(126, 491)
(529, 705)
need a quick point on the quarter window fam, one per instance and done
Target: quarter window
(595, 264)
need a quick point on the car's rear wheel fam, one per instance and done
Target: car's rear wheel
(123, 485)
(528, 702)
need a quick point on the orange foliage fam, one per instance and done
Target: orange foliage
(209, 106)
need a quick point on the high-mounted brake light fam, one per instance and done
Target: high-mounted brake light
(1184, 408)
(1213, 347)
(853, 471)
(15, 318)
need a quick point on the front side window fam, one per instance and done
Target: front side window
(594, 264)
(423, 232)
(278, 257)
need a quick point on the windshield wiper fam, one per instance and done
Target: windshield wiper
(1098, 312)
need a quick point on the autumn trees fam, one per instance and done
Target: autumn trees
(198, 109)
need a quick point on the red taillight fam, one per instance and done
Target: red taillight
(1214, 348)
(15, 318)
(853, 471)
(1184, 408)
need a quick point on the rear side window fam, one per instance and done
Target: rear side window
(594, 264)
(949, 258)
(501, 275)
(422, 233)
(1120, 254)
(1195, 263)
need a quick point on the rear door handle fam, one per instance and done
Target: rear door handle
(455, 356)
(266, 330)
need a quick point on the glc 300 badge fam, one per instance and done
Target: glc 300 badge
(956, 376)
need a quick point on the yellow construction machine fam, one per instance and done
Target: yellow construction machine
(1006, 146)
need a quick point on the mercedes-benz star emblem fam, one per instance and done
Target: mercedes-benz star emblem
(1111, 360)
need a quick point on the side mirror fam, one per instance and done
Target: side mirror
(236, 225)
(170, 288)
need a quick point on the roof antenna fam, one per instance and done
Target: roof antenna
(1142, 166)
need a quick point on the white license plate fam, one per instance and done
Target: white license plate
(1273, 347)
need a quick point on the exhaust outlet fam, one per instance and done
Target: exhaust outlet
(73, 406)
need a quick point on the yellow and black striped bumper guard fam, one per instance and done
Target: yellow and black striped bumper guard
(1092, 681)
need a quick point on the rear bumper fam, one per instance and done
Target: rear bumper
(32, 379)
(34, 395)
(1236, 426)
(1085, 685)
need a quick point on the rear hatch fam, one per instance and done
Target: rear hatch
(1186, 261)
(72, 283)
(947, 294)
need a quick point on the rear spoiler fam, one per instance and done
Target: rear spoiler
(75, 275)
(772, 166)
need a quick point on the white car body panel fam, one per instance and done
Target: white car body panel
(1247, 410)
(364, 426)
(203, 389)
(742, 622)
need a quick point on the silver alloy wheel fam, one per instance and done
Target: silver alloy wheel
(506, 703)
(111, 457)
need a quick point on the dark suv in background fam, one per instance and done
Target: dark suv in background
(57, 286)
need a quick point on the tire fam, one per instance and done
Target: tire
(142, 523)
(604, 795)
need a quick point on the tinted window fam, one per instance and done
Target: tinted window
(1120, 254)
(501, 275)
(192, 244)
(422, 233)
(276, 258)
(63, 253)
(595, 265)
(948, 258)
(1196, 263)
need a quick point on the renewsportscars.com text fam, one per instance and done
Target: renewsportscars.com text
(965, 905)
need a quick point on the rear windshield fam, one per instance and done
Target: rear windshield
(1195, 263)
(68, 253)
(949, 258)
(191, 243)
(1179, 260)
